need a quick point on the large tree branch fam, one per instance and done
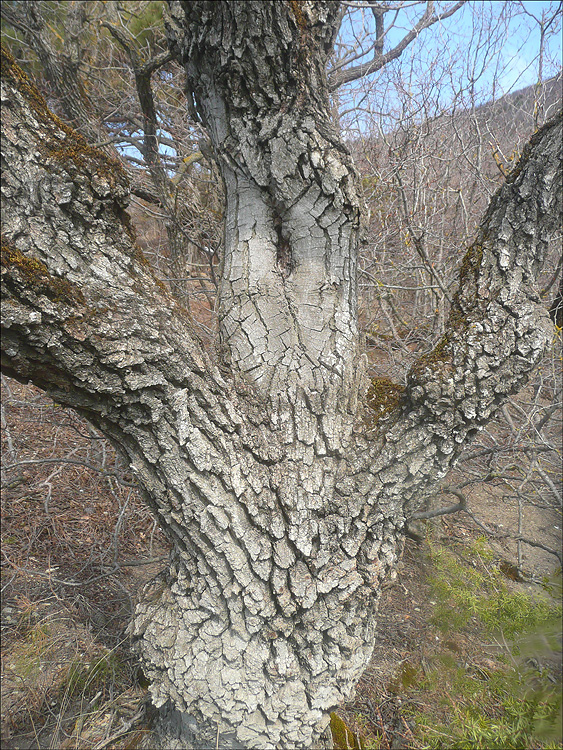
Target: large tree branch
(497, 332)
(83, 316)
(379, 60)
(85, 319)
(498, 326)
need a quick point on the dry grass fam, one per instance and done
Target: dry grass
(74, 531)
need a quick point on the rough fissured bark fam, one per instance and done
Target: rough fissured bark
(287, 304)
(284, 501)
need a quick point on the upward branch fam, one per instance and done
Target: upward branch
(83, 316)
(498, 326)
(287, 306)
(497, 331)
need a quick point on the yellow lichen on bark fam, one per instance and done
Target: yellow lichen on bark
(60, 141)
(35, 275)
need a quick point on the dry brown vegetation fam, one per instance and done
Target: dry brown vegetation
(75, 536)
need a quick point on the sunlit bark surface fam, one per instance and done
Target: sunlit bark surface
(283, 495)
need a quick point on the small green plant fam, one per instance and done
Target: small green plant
(470, 589)
(510, 705)
(343, 737)
(33, 650)
(499, 713)
(89, 676)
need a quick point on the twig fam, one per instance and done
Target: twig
(88, 581)
(462, 505)
(85, 464)
(524, 539)
(124, 729)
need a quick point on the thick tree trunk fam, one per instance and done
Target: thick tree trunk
(284, 501)
(287, 304)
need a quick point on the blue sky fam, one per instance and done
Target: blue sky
(450, 50)
(523, 47)
(493, 42)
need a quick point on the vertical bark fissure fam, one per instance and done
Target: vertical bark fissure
(287, 301)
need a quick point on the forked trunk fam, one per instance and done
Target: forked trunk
(284, 500)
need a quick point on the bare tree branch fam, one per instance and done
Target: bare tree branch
(379, 60)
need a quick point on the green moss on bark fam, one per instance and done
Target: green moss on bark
(60, 142)
(458, 321)
(34, 274)
(471, 263)
(382, 397)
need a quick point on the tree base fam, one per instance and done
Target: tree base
(175, 730)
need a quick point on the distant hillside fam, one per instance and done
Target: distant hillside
(516, 109)
(497, 130)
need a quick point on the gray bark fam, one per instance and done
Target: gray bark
(283, 494)
(287, 304)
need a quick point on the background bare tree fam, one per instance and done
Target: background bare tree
(429, 165)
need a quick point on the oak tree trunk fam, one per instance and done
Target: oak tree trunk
(282, 485)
